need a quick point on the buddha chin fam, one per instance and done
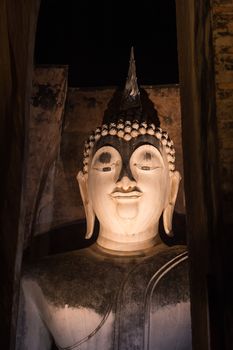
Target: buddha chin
(127, 211)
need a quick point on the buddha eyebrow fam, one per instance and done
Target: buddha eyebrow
(105, 158)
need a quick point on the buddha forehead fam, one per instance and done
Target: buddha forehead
(126, 148)
(126, 136)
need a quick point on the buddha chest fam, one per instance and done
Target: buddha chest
(92, 300)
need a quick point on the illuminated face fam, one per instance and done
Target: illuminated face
(128, 183)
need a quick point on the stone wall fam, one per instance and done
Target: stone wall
(223, 47)
(44, 137)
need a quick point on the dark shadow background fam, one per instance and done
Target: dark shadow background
(94, 39)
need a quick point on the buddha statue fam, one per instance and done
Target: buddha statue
(129, 290)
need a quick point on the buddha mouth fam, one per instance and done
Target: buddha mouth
(128, 194)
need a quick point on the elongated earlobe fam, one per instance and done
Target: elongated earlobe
(90, 215)
(168, 211)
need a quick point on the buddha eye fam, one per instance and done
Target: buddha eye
(106, 168)
(106, 160)
(145, 167)
(103, 162)
(146, 159)
(147, 162)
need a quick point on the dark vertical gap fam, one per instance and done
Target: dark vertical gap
(200, 147)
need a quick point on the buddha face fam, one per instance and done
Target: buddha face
(128, 184)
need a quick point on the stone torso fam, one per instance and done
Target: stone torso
(90, 299)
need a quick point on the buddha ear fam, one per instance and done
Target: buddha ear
(168, 211)
(87, 203)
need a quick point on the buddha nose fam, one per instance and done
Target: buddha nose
(125, 183)
(126, 179)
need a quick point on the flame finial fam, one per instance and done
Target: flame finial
(131, 94)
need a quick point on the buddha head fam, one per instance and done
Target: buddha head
(128, 178)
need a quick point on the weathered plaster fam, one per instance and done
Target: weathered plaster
(45, 124)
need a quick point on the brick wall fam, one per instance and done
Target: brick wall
(223, 47)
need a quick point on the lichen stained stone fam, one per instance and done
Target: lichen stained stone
(45, 124)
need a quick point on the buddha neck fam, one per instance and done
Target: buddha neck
(111, 240)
